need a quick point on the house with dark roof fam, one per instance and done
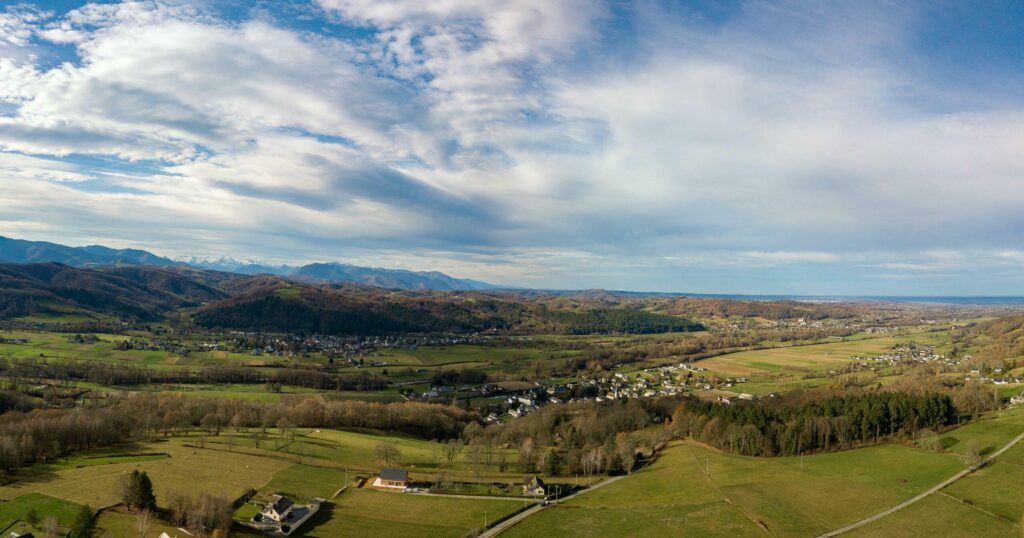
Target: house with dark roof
(533, 485)
(278, 508)
(392, 478)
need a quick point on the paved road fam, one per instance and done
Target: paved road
(508, 523)
(479, 497)
(935, 489)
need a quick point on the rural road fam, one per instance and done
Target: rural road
(935, 489)
(505, 525)
(525, 500)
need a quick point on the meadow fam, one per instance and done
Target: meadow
(813, 358)
(186, 470)
(365, 512)
(714, 493)
(692, 489)
(355, 450)
(14, 513)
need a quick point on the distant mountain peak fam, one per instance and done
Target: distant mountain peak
(21, 251)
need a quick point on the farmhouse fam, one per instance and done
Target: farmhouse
(533, 485)
(278, 508)
(392, 478)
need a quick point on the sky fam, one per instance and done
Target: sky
(820, 148)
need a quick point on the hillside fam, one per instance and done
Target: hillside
(384, 278)
(143, 293)
(20, 251)
(271, 304)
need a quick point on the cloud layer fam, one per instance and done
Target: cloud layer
(764, 147)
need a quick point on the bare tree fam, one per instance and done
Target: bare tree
(972, 456)
(388, 453)
(143, 520)
(452, 447)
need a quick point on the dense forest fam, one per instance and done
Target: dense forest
(352, 311)
(127, 292)
(794, 426)
(308, 376)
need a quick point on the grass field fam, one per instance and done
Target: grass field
(937, 515)
(118, 522)
(793, 498)
(304, 482)
(817, 357)
(743, 493)
(186, 470)
(13, 512)
(355, 450)
(364, 512)
(984, 503)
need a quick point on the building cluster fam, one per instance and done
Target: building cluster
(997, 377)
(910, 353)
(648, 383)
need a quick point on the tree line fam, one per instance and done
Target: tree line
(44, 434)
(307, 376)
(798, 424)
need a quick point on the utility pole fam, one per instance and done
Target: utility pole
(485, 519)
(707, 466)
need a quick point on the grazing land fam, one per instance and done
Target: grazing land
(186, 470)
(363, 512)
(227, 396)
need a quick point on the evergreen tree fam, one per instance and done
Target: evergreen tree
(138, 491)
(84, 525)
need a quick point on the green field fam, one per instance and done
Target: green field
(186, 470)
(817, 357)
(117, 522)
(937, 515)
(304, 482)
(13, 513)
(364, 512)
(743, 493)
(355, 450)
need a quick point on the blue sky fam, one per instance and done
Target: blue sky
(733, 147)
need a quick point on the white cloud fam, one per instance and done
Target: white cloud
(512, 134)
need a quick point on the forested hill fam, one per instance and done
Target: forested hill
(143, 293)
(292, 307)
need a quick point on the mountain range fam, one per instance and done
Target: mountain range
(93, 256)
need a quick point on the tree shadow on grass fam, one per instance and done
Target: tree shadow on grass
(43, 472)
(321, 517)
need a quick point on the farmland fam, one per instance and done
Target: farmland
(742, 494)
(207, 412)
(363, 512)
(693, 489)
(185, 470)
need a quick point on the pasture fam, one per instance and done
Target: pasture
(304, 482)
(365, 512)
(742, 494)
(186, 470)
(814, 357)
(355, 450)
(14, 513)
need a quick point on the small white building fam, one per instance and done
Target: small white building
(278, 508)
